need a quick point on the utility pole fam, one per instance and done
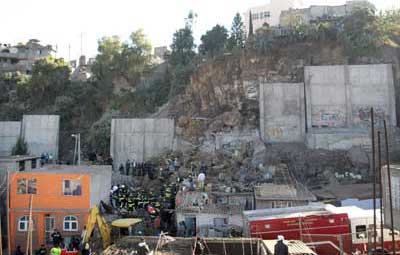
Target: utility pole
(8, 213)
(77, 148)
(380, 189)
(373, 174)
(1, 236)
(69, 52)
(81, 44)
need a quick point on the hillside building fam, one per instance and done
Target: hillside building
(268, 13)
(21, 57)
(320, 12)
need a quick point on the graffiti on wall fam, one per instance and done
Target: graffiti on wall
(275, 133)
(362, 116)
(323, 119)
(238, 147)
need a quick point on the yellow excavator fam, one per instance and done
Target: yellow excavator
(104, 227)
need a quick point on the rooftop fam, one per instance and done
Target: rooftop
(204, 202)
(70, 169)
(17, 158)
(295, 247)
(270, 191)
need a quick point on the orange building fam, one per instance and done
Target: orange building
(61, 199)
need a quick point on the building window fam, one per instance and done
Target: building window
(23, 223)
(361, 232)
(72, 187)
(220, 222)
(21, 166)
(26, 186)
(33, 163)
(70, 223)
(267, 15)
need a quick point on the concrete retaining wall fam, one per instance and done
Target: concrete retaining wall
(339, 99)
(9, 133)
(341, 96)
(282, 112)
(140, 139)
(41, 133)
(331, 109)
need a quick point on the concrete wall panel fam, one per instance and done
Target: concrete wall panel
(326, 96)
(339, 99)
(282, 112)
(41, 133)
(9, 133)
(140, 139)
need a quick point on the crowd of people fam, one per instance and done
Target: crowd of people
(134, 168)
(58, 245)
(131, 199)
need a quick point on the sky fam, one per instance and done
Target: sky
(67, 23)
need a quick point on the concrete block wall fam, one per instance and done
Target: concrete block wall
(9, 133)
(282, 114)
(41, 132)
(140, 139)
(331, 109)
(339, 99)
(341, 96)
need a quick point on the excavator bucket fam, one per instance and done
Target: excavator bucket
(104, 228)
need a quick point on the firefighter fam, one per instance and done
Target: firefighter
(131, 205)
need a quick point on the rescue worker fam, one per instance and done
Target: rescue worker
(42, 250)
(280, 247)
(56, 250)
(86, 249)
(200, 181)
(143, 248)
(57, 238)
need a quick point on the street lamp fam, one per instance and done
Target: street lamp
(77, 148)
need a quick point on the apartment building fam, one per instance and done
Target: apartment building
(61, 198)
(268, 13)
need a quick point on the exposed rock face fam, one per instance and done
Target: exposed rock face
(223, 98)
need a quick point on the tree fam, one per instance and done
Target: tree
(238, 34)
(130, 60)
(136, 57)
(21, 147)
(360, 34)
(389, 25)
(50, 78)
(214, 41)
(251, 32)
(181, 58)
(99, 134)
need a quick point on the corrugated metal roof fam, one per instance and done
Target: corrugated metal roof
(295, 247)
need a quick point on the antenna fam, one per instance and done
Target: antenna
(81, 43)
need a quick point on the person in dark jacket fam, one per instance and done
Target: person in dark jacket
(42, 250)
(57, 238)
(280, 247)
(19, 251)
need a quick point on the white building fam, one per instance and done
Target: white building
(268, 13)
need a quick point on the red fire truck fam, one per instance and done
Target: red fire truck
(329, 230)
